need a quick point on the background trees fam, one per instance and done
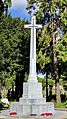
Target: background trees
(14, 52)
(52, 15)
(1, 7)
(4, 6)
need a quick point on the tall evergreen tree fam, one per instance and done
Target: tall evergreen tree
(52, 14)
(4, 5)
(1, 7)
(7, 4)
(14, 52)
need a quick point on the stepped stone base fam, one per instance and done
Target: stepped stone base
(32, 101)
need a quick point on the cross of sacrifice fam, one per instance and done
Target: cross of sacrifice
(32, 69)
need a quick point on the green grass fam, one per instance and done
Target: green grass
(60, 105)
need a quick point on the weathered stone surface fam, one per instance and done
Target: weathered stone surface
(32, 90)
(32, 101)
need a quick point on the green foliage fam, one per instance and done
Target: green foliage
(65, 104)
(14, 49)
(43, 81)
(1, 7)
(8, 2)
(45, 37)
(9, 81)
(1, 105)
(51, 82)
(4, 5)
(52, 51)
(59, 105)
(32, 1)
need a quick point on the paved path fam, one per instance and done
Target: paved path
(58, 115)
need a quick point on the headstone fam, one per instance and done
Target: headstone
(32, 101)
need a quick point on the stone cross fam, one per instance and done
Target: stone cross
(32, 70)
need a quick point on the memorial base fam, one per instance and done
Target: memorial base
(32, 101)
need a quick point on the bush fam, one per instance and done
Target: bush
(59, 105)
(65, 103)
(1, 105)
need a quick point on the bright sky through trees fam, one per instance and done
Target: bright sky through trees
(18, 9)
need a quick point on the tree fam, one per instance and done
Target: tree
(4, 5)
(7, 4)
(1, 7)
(14, 51)
(50, 14)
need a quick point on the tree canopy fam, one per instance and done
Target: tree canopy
(52, 40)
(14, 48)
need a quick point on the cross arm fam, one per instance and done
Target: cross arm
(27, 26)
(38, 26)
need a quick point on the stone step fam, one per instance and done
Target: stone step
(32, 101)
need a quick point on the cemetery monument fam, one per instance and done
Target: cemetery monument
(32, 101)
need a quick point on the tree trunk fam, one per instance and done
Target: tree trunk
(19, 84)
(50, 90)
(47, 86)
(57, 90)
(0, 90)
(6, 10)
(55, 64)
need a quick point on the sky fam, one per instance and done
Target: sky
(18, 9)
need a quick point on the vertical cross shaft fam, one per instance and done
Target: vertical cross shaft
(32, 70)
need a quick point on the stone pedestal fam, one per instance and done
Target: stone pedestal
(32, 90)
(32, 101)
